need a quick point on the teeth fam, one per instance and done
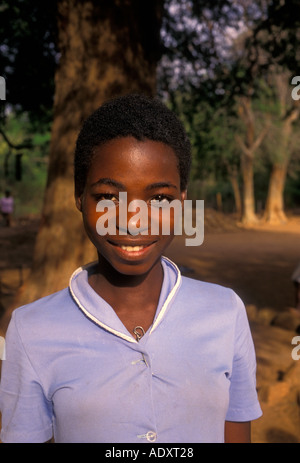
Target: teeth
(132, 248)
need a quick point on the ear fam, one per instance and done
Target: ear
(78, 202)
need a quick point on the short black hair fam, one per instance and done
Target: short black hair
(138, 116)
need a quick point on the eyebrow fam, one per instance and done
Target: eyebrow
(153, 186)
(120, 186)
(111, 182)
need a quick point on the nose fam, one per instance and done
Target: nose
(134, 219)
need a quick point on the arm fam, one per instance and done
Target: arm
(243, 401)
(237, 432)
(26, 411)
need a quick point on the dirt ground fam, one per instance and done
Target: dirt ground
(257, 263)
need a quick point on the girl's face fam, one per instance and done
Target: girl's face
(146, 171)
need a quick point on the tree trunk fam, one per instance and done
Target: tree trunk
(249, 216)
(108, 48)
(233, 177)
(274, 210)
(289, 113)
(248, 149)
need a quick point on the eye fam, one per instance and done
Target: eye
(106, 196)
(160, 200)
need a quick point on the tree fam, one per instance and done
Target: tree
(219, 74)
(269, 38)
(287, 114)
(225, 125)
(249, 145)
(273, 55)
(107, 48)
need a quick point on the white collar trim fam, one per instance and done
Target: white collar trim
(118, 333)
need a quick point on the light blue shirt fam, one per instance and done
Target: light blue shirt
(73, 370)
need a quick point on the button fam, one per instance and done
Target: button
(151, 436)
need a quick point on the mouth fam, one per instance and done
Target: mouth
(134, 249)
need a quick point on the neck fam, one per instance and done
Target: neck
(108, 275)
(112, 285)
(133, 297)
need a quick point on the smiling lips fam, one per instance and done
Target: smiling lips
(133, 248)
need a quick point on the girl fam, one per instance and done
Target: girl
(131, 351)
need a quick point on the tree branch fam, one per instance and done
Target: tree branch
(261, 136)
(243, 147)
(249, 151)
(12, 145)
(292, 115)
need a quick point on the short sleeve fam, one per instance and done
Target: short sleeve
(243, 400)
(26, 412)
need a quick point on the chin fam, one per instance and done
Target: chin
(134, 269)
(128, 268)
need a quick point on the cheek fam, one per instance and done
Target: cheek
(166, 221)
(90, 218)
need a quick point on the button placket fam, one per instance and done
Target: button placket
(150, 435)
(140, 333)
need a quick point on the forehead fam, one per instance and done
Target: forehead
(130, 159)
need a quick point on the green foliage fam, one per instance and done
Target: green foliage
(204, 89)
(28, 191)
(213, 125)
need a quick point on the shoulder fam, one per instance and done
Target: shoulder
(217, 307)
(210, 298)
(44, 313)
(43, 304)
(194, 289)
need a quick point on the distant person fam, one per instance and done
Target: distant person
(7, 207)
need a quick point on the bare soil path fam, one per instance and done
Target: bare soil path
(256, 263)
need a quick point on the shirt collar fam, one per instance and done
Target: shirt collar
(101, 313)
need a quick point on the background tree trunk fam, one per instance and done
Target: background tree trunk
(234, 180)
(108, 48)
(274, 210)
(248, 148)
(248, 216)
